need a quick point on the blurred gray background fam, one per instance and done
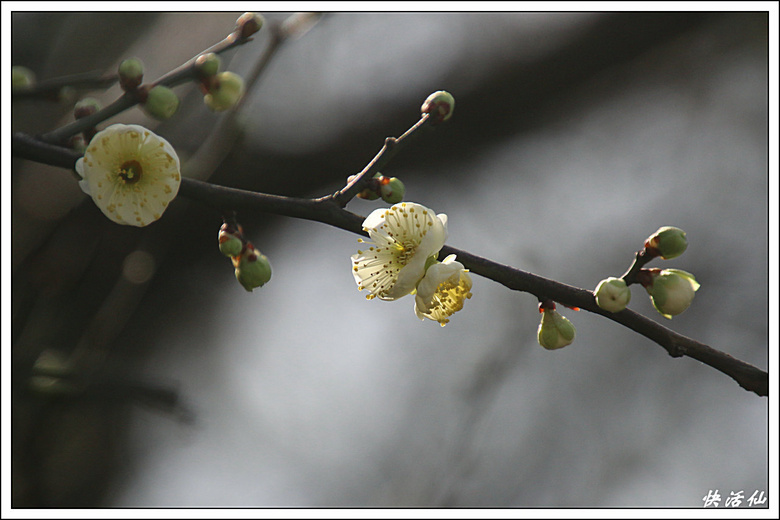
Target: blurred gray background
(574, 137)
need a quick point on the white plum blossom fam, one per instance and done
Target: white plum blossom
(442, 291)
(131, 174)
(402, 239)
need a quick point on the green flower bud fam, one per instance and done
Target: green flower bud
(225, 91)
(672, 291)
(67, 95)
(368, 194)
(85, 107)
(21, 78)
(252, 269)
(392, 190)
(439, 105)
(669, 242)
(207, 64)
(612, 294)
(161, 103)
(131, 73)
(230, 243)
(249, 23)
(78, 143)
(555, 331)
(51, 375)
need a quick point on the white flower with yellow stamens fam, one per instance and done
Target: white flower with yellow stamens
(131, 174)
(442, 291)
(403, 237)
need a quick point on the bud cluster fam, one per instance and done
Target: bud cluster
(671, 290)
(252, 268)
(389, 189)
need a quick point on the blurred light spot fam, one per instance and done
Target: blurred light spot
(138, 267)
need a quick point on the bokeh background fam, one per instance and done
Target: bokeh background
(575, 136)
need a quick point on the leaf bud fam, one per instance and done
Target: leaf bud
(668, 242)
(225, 91)
(612, 294)
(439, 106)
(131, 74)
(161, 102)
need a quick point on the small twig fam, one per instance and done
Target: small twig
(50, 89)
(641, 259)
(391, 147)
(181, 74)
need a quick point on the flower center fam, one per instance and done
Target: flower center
(448, 300)
(130, 172)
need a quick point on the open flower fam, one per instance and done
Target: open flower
(442, 291)
(131, 174)
(403, 237)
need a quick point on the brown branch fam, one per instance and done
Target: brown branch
(180, 74)
(51, 88)
(328, 210)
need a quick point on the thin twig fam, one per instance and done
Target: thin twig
(51, 88)
(391, 147)
(181, 74)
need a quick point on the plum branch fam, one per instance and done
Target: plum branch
(330, 210)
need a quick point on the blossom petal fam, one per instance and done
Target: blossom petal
(442, 291)
(105, 169)
(403, 237)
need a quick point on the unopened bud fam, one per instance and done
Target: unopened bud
(671, 291)
(555, 331)
(392, 190)
(78, 143)
(248, 24)
(225, 91)
(252, 269)
(85, 107)
(368, 194)
(21, 78)
(668, 242)
(131, 74)
(161, 103)
(51, 375)
(439, 105)
(612, 294)
(230, 243)
(207, 65)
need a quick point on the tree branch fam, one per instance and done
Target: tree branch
(328, 210)
(50, 89)
(181, 74)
